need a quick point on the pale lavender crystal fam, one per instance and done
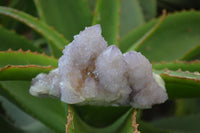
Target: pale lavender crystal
(77, 64)
(46, 84)
(139, 70)
(151, 94)
(89, 72)
(81, 54)
(111, 72)
(146, 91)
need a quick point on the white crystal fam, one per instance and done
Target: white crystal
(78, 61)
(89, 72)
(44, 84)
(111, 69)
(151, 94)
(139, 70)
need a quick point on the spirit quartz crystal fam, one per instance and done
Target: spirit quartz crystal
(90, 72)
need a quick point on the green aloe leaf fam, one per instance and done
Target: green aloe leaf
(191, 66)
(77, 125)
(55, 51)
(145, 127)
(91, 4)
(49, 111)
(192, 54)
(51, 35)
(107, 14)
(172, 36)
(100, 116)
(129, 125)
(68, 17)
(137, 44)
(19, 119)
(26, 72)
(178, 4)
(127, 41)
(148, 8)
(26, 58)
(10, 39)
(187, 106)
(25, 6)
(180, 84)
(126, 123)
(131, 16)
(7, 127)
(186, 124)
(134, 13)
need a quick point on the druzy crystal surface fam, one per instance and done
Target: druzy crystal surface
(90, 72)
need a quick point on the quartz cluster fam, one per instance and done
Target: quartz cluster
(90, 72)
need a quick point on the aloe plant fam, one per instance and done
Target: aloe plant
(169, 41)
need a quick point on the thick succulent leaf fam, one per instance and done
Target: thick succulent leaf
(26, 58)
(172, 5)
(131, 16)
(49, 111)
(127, 41)
(50, 34)
(192, 54)
(20, 119)
(107, 14)
(134, 13)
(172, 36)
(145, 127)
(148, 8)
(25, 6)
(181, 84)
(131, 124)
(77, 125)
(187, 106)
(91, 4)
(7, 127)
(191, 66)
(68, 17)
(26, 72)
(137, 44)
(186, 124)
(55, 50)
(9, 40)
(124, 124)
(100, 116)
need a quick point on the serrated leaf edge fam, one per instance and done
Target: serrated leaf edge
(154, 19)
(166, 72)
(27, 52)
(59, 42)
(137, 44)
(176, 61)
(184, 57)
(25, 66)
(134, 123)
